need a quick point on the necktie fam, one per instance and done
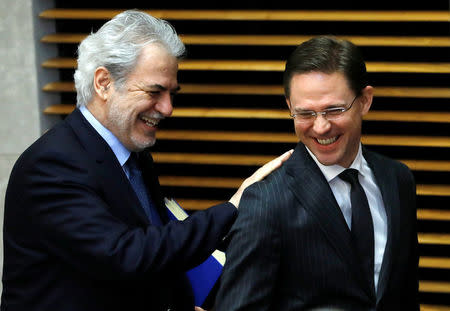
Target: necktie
(362, 224)
(137, 182)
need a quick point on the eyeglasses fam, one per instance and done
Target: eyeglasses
(329, 114)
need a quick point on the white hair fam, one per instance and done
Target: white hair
(117, 46)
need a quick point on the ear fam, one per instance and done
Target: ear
(288, 102)
(102, 81)
(366, 99)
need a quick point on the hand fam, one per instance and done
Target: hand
(199, 309)
(259, 175)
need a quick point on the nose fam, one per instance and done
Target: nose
(321, 125)
(165, 105)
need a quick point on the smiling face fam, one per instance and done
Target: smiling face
(133, 112)
(331, 141)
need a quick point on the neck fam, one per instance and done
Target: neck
(95, 109)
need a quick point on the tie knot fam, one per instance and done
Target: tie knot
(350, 175)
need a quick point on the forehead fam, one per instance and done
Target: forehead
(319, 87)
(155, 66)
(317, 80)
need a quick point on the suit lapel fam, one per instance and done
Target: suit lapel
(314, 193)
(152, 183)
(387, 182)
(115, 183)
(317, 197)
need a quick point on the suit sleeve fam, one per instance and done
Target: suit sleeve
(250, 272)
(58, 207)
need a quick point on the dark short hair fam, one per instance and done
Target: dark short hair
(327, 54)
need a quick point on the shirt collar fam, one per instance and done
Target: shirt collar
(332, 171)
(122, 154)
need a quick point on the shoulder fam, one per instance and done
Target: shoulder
(56, 138)
(394, 168)
(55, 154)
(262, 200)
(375, 158)
(51, 169)
(268, 188)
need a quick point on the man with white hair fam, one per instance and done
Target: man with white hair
(85, 226)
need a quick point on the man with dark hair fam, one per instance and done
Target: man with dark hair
(85, 225)
(335, 227)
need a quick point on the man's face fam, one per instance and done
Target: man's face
(331, 141)
(133, 111)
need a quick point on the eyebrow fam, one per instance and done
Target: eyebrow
(329, 107)
(163, 88)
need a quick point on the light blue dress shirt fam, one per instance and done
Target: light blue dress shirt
(122, 154)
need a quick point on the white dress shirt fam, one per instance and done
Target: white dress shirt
(341, 191)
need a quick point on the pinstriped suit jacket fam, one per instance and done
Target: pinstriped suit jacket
(290, 247)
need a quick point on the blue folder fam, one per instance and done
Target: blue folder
(204, 276)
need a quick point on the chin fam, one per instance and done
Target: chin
(139, 145)
(327, 160)
(327, 163)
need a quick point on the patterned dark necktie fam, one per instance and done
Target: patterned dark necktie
(362, 224)
(137, 182)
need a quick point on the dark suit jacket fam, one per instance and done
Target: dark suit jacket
(290, 247)
(76, 237)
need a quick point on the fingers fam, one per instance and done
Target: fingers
(259, 175)
(269, 167)
(199, 309)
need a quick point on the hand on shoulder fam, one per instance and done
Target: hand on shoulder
(259, 175)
